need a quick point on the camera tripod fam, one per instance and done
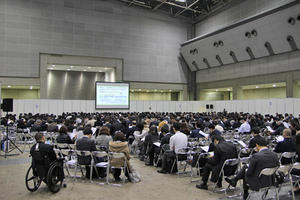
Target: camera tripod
(7, 152)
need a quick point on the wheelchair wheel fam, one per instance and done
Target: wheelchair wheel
(55, 177)
(32, 181)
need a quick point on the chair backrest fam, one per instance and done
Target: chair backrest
(232, 162)
(72, 146)
(245, 159)
(117, 155)
(284, 169)
(83, 153)
(62, 145)
(99, 154)
(288, 154)
(268, 171)
(296, 165)
(66, 152)
(165, 147)
(183, 151)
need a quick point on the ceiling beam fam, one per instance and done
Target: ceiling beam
(190, 6)
(136, 3)
(180, 6)
(159, 5)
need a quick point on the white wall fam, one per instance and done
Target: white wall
(264, 106)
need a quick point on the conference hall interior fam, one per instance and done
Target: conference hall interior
(150, 99)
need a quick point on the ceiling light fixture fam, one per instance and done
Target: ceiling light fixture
(50, 68)
(140, 89)
(217, 90)
(71, 66)
(228, 89)
(69, 69)
(89, 67)
(31, 87)
(9, 86)
(53, 65)
(84, 70)
(274, 85)
(257, 86)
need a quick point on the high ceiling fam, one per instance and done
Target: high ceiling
(193, 9)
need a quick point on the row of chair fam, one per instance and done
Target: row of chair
(71, 156)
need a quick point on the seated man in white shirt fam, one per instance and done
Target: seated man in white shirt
(177, 141)
(245, 127)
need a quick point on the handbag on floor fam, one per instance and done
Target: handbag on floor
(134, 176)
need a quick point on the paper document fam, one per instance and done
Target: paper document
(286, 125)
(280, 138)
(94, 130)
(205, 148)
(270, 129)
(204, 134)
(72, 135)
(157, 144)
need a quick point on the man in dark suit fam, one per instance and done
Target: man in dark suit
(85, 143)
(195, 132)
(256, 136)
(222, 151)
(287, 145)
(42, 155)
(278, 128)
(259, 161)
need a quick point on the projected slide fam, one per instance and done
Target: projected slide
(112, 95)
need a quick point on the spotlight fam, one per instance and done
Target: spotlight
(254, 32)
(221, 43)
(248, 34)
(216, 44)
(292, 21)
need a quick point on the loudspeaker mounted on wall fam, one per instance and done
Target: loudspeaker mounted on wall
(292, 21)
(7, 105)
(207, 106)
(211, 106)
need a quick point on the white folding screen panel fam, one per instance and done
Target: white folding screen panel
(67, 105)
(296, 107)
(60, 106)
(90, 106)
(132, 106)
(280, 106)
(289, 106)
(272, 107)
(76, 106)
(57, 106)
(139, 106)
(42, 107)
(153, 105)
(245, 106)
(165, 106)
(83, 106)
(53, 107)
(159, 106)
(172, 106)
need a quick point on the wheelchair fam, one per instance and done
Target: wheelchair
(52, 174)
